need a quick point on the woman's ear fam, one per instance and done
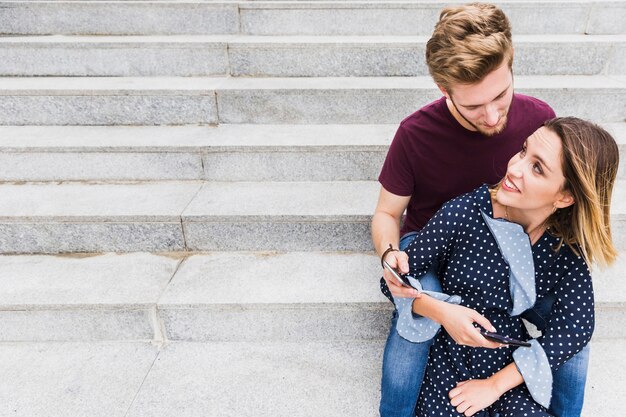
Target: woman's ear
(566, 199)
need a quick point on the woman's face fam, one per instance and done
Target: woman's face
(534, 179)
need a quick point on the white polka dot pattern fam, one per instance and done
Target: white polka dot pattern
(472, 266)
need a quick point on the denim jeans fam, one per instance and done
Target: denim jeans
(404, 364)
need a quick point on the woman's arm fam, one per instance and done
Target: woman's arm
(471, 396)
(457, 320)
(569, 329)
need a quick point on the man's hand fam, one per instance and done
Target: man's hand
(459, 323)
(400, 262)
(469, 397)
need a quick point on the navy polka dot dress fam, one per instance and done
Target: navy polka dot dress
(471, 265)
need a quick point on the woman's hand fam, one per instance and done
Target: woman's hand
(469, 397)
(400, 262)
(459, 323)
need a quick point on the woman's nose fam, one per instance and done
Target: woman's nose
(516, 168)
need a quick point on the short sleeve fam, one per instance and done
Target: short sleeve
(397, 175)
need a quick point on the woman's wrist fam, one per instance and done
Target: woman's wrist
(506, 379)
(430, 307)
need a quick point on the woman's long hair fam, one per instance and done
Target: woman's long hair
(590, 160)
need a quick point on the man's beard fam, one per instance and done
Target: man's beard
(486, 131)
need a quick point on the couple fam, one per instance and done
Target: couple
(521, 248)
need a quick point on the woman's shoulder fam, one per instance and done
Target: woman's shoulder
(476, 200)
(565, 257)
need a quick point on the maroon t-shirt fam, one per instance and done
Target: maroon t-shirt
(433, 158)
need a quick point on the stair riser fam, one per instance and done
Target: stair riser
(215, 166)
(118, 18)
(127, 60)
(321, 106)
(90, 237)
(229, 166)
(291, 19)
(290, 60)
(236, 235)
(148, 109)
(76, 325)
(295, 323)
(400, 20)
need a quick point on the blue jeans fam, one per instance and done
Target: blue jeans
(404, 364)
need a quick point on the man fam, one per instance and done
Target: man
(445, 149)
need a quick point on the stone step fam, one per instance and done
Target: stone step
(350, 100)
(286, 56)
(192, 216)
(294, 296)
(183, 379)
(399, 18)
(218, 153)
(292, 17)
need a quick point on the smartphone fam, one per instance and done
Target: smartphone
(494, 337)
(397, 276)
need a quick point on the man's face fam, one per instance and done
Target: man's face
(483, 106)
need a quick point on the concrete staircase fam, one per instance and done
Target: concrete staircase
(228, 153)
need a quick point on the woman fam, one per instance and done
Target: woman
(500, 250)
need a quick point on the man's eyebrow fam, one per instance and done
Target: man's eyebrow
(495, 98)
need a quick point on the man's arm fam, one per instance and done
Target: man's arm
(385, 231)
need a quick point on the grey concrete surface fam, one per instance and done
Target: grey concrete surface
(154, 202)
(605, 383)
(303, 17)
(107, 100)
(264, 278)
(107, 280)
(252, 379)
(404, 56)
(219, 296)
(224, 153)
(26, 236)
(282, 236)
(221, 138)
(94, 324)
(118, 18)
(253, 201)
(287, 56)
(398, 18)
(77, 379)
(50, 56)
(281, 216)
(163, 216)
(105, 297)
(99, 166)
(189, 379)
(272, 100)
(328, 165)
(53, 218)
(213, 153)
(607, 18)
(389, 100)
(107, 110)
(285, 296)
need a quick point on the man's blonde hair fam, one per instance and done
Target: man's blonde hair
(468, 43)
